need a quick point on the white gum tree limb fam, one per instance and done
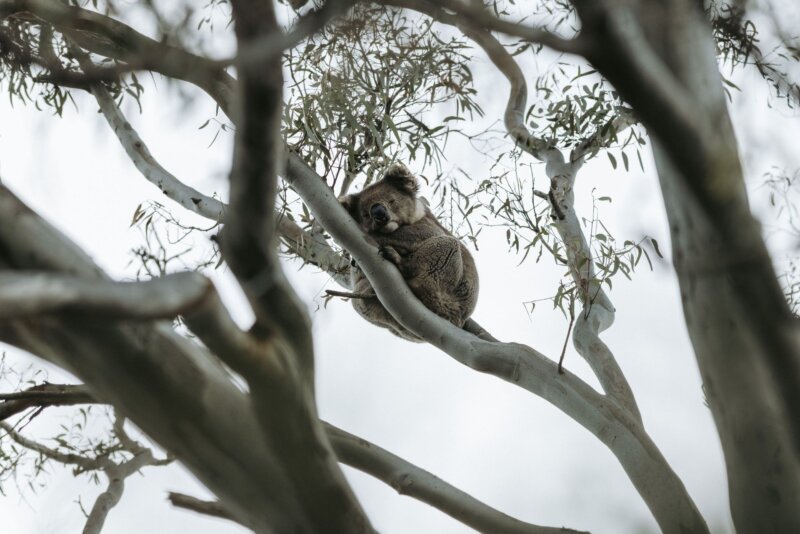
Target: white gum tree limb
(32, 293)
(598, 312)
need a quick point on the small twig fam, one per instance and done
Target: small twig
(566, 339)
(349, 295)
(558, 213)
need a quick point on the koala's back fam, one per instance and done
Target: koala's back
(438, 267)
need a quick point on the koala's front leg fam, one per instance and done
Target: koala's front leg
(389, 253)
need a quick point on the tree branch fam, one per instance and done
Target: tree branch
(210, 508)
(408, 479)
(281, 381)
(83, 462)
(43, 395)
(28, 294)
(474, 14)
(300, 242)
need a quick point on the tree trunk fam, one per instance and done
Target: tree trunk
(661, 57)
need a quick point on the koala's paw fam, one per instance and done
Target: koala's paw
(390, 254)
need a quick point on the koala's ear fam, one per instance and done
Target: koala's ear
(350, 203)
(402, 178)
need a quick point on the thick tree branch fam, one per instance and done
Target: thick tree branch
(282, 382)
(37, 293)
(703, 150)
(156, 377)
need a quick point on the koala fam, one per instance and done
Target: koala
(437, 267)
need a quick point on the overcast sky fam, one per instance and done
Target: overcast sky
(499, 443)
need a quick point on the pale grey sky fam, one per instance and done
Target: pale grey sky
(501, 444)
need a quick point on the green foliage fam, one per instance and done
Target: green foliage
(360, 95)
(773, 53)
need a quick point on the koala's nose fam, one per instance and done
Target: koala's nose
(378, 212)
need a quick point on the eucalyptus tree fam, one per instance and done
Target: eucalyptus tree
(321, 101)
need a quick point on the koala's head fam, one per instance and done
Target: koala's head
(385, 206)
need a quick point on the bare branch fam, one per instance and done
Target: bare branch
(349, 295)
(474, 14)
(161, 298)
(282, 383)
(408, 479)
(108, 37)
(83, 462)
(211, 508)
(43, 395)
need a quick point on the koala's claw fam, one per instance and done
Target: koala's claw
(390, 254)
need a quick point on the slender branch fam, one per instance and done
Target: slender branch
(83, 462)
(43, 395)
(104, 35)
(408, 479)
(108, 499)
(269, 46)
(210, 508)
(476, 15)
(349, 295)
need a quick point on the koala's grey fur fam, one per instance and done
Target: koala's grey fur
(437, 267)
